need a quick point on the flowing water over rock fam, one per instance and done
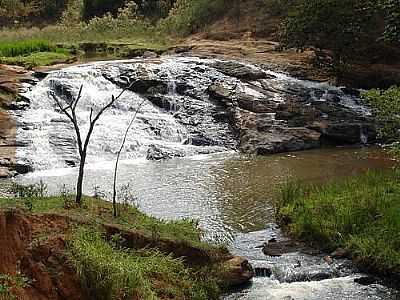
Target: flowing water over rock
(191, 106)
(196, 113)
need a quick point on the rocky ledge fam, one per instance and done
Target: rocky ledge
(239, 106)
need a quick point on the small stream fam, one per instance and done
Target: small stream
(230, 194)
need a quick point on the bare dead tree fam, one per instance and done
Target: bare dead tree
(70, 111)
(119, 155)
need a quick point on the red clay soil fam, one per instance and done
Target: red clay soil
(50, 275)
(34, 245)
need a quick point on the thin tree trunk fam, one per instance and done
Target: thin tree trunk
(118, 157)
(79, 183)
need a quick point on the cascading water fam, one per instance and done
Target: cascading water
(183, 116)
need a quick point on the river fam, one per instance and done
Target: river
(230, 194)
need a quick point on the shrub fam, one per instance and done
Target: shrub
(187, 16)
(386, 106)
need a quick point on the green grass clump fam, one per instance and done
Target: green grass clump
(111, 272)
(360, 213)
(20, 48)
(37, 59)
(31, 53)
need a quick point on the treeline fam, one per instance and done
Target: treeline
(356, 28)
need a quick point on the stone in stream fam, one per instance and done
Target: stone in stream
(276, 248)
(340, 253)
(157, 153)
(238, 271)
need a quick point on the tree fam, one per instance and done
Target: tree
(70, 111)
(118, 157)
(342, 26)
(352, 30)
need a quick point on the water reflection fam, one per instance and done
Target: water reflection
(227, 192)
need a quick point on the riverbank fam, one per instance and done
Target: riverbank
(358, 216)
(83, 252)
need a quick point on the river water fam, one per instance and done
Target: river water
(230, 194)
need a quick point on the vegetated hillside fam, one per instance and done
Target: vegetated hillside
(357, 41)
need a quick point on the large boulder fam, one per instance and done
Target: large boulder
(240, 71)
(237, 271)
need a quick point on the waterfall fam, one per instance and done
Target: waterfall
(178, 117)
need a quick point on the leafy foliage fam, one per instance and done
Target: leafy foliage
(187, 16)
(347, 28)
(386, 106)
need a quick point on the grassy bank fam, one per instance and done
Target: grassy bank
(108, 268)
(360, 214)
(32, 52)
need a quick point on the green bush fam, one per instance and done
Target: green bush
(386, 107)
(187, 16)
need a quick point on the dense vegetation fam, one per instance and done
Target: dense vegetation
(359, 214)
(386, 106)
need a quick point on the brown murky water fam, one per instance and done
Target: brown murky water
(227, 192)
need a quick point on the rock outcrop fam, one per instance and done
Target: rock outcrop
(239, 106)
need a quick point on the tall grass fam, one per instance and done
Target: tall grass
(23, 47)
(360, 213)
(110, 272)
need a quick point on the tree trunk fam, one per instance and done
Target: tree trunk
(79, 183)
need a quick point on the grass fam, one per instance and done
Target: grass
(359, 213)
(31, 53)
(20, 48)
(99, 211)
(37, 59)
(110, 271)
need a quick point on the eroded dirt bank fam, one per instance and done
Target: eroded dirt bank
(34, 246)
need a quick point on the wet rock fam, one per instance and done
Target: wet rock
(149, 86)
(150, 54)
(349, 132)
(340, 253)
(276, 249)
(278, 139)
(221, 92)
(40, 75)
(17, 105)
(201, 140)
(165, 103)
(328, 259)
(5, 172)
(157, 153)
(366, 280)
(62, 90)
(238, 271)
(23, 168)
(240, 71)
(262, 272)
(259, 114)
